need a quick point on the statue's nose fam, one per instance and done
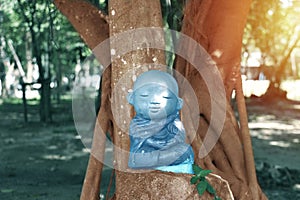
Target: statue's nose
(154, 102)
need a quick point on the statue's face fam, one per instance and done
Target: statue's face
(155, 102)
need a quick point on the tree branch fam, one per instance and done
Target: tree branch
(87, 20)
(92, 26)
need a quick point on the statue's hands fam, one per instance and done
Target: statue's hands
(186, 152)
(177, 140)
(144, 134)
(174, 155)
(182, 151)
(162, 144)
(172, 142)
(140, 160)
(177, 154)
(157, 144)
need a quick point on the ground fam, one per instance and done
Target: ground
(275, 129)
(48, 161)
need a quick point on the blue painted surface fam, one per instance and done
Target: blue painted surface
(157, 136)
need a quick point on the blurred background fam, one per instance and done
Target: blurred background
(42, 59)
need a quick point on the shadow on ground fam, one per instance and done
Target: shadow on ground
(48, 161)
(41, 161)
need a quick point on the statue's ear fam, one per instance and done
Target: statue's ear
(179, 103)
(130, 98)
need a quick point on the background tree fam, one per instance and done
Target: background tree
(210, 23)
(42, 26)
(273, 30)
(33, 24)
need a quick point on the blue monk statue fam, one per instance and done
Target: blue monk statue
(157, 136)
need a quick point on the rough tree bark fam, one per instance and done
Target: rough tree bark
(218, 26)
(201, 23)
(126, 16)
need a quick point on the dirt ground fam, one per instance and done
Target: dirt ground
(48, 161)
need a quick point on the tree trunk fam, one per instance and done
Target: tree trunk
(91, 24)
(201, 23)
(127, 16)
(58, 72)
(45, 92)
(218, 26)
(163, 185)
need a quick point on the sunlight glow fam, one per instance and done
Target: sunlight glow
(255, 87)
(270, 12)
(286, 3)
(52, 147)
(271, 125)
(56, 157)
(86, 150)
(296, 140)
(32, 94)
(78, 137)
(297, 187)
(254, 58)
(217, 53)
(259, 87)
(265, 136)
(280, 144)
(292, 88)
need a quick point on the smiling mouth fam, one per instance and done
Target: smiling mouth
(154, 109)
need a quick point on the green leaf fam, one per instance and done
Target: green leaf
(204, 173)
(196, 169)
(194, 179)
(201, 187)
(210, 189)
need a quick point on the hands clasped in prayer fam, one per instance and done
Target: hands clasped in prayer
(157, 136)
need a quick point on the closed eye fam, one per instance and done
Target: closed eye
(167, 97)
(144, 95)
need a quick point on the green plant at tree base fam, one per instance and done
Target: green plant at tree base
(202, 185)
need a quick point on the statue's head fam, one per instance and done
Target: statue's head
(155, 95)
